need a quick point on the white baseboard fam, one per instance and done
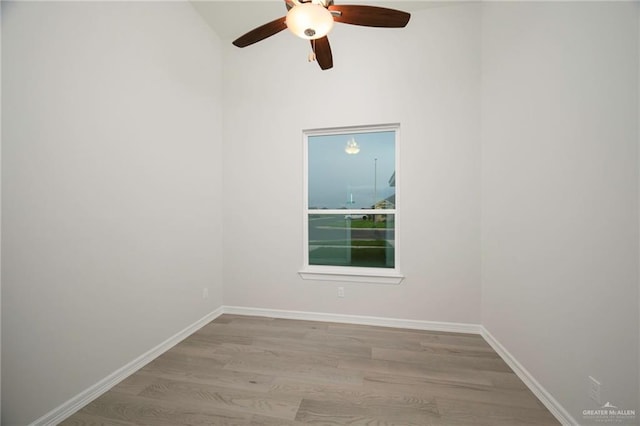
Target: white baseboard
(541, 393)
(453, 327)
(558, 411)
(71, 406)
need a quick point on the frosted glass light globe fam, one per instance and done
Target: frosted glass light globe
(352, 147)
(309, 21)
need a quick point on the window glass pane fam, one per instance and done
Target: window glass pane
(352, 171)
(352, 240)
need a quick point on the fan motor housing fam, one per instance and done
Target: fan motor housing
(292, 3)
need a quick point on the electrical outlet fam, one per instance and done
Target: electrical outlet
(340, 291)
(594, 390)
(205, 293)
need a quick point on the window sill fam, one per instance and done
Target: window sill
(351, 274)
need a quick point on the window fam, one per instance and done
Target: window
(351, 201)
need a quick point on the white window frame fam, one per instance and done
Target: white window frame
(351, 273)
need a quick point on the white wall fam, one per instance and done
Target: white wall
(426, 77)
(111, 186)
(0, 212)
(560, 194)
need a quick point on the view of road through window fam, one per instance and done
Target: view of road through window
(352, 199)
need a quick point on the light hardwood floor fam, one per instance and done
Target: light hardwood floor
(240, 370)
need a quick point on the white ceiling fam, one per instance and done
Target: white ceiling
(231, 19)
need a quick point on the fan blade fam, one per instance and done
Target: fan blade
(323, 52)
(370, 16)
(262, 32)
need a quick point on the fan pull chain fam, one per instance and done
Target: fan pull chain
(312, 54)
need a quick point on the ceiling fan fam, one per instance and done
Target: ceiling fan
(313, 19)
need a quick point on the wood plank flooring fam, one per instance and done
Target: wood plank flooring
(240, 370)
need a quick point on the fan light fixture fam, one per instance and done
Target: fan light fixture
(309, 21)
(314, 19)
(352, 147)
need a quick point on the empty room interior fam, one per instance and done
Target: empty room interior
(175, 231)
